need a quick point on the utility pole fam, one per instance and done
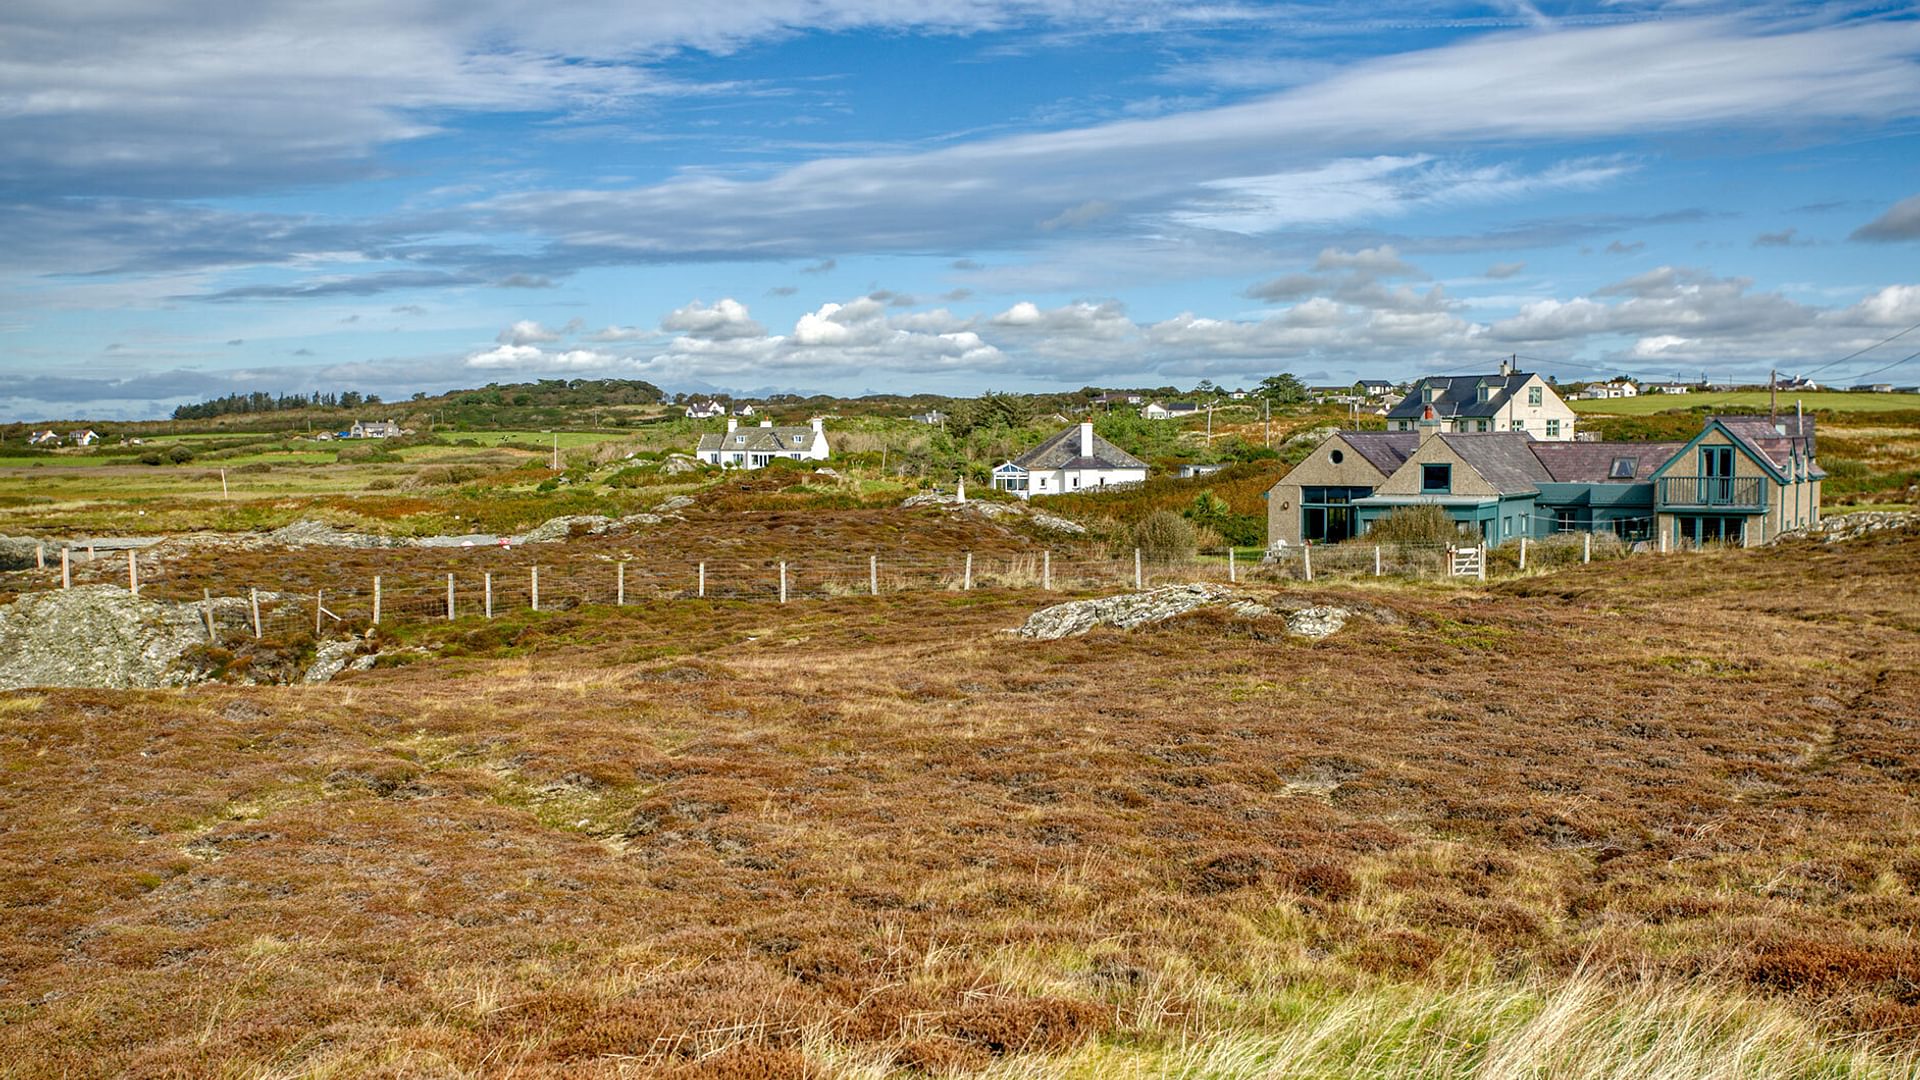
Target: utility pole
(1267, 438)
(1773, 395)
(1209, 423)
(556, 451)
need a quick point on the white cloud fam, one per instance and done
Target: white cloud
(727, 318)
(527, 332)
(532, 358)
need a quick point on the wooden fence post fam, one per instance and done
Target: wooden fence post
(873, 574)
(783, 582)
(376, 599)
(489, 587)
(533, 594)
(1376, 560)
(1139, 575)
(1482, 575)
(1046, 570)
(966, 582)
(1523, 553)
(206, 612)
(319, 605)
(39, 556)
(66, 568)
(449, 597)
(133, 572)
(89, 552)
(253, 601)
(1586, 548)
(620, 585)
(703, 579)
(1233, 576)
(1306, 559)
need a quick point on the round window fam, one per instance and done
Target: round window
(1336, 457)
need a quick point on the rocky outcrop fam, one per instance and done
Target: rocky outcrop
(104, 636)
(321, 534)
(18, 552)
(563, 528)
(995, 511)
(1848, 526)
(1124, 612)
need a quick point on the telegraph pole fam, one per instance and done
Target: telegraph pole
(1773, 395)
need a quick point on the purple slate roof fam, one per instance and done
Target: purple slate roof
(1771, 439)
(1592, 462)
(1384, 450)
(1062, 451)
(1502, 458)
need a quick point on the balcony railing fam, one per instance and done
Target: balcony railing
(1716, 492)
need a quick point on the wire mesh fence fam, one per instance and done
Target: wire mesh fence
(358, 588)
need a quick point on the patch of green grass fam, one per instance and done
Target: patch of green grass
(1748, 401)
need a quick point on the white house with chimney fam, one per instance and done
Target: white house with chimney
(752, 447)
(705, 410)
(1073, 460)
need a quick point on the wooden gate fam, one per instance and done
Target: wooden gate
(1468, 562)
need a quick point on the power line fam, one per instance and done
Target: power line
(1889, 367)
(1868, 349)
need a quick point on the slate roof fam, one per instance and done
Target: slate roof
(1459, 395)
(1774, 440)
(1502, 458)
(1384, 450)
(760, 440)
(1592, 462)
(1062, 451)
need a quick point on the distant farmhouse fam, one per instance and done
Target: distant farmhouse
(754, 447)
(1173, 410)
(378, 429)
(83, 437)
(1611, 389)
(1741, 480)
(705, 410)
(48, 437)
(1114, 397)
(931, 418)
(744, 410)
(1669, 388)
(1073, 460)
(1509, 401)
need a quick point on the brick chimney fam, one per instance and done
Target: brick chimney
(1086, 438)
(1429, 424)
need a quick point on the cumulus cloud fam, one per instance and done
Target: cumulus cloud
(532, 358)
(1900, 222)
(527, 332)
(727, 318)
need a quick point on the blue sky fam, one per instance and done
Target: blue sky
(951, 195)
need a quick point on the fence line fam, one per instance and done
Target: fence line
(517, 582)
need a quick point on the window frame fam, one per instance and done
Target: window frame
(1427, 472)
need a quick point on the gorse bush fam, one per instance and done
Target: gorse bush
(1420, 525)
(1165, 535)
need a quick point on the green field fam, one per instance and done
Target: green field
(1749, 401)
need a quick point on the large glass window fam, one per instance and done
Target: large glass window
(1327, 514)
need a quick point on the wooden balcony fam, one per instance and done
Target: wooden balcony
(1733, 493)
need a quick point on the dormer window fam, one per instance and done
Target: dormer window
(1485, 391)
(1426, 393)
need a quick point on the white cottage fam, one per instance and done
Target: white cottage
(753, 447)
(1073, 460)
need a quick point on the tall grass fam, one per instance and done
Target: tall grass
(1584, 1027)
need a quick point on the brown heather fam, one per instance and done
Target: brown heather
(1648, 817)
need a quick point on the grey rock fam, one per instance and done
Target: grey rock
(1123, 612)
(103, 636)
(320, 534)
(333, 657)
(678, 502)
(678, 464)
(1849, 526)
(1317, 622)
(563, 528)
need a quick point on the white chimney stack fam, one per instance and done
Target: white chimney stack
(731, 424)
(1086, 438)
(819, 426)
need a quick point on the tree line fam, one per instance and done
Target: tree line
(262, 402)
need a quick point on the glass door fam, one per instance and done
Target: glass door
(1716, 472)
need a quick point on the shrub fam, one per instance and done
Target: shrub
(1164, 535)
(152, 457)
(1421, 525)
(179, 455)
